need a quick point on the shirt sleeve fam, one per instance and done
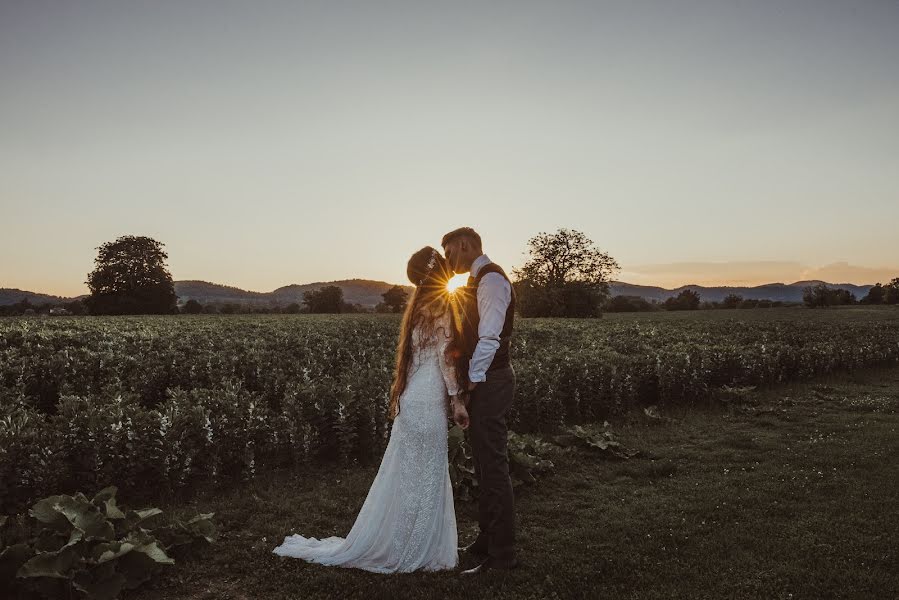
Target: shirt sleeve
(494, 296)
(445, 335)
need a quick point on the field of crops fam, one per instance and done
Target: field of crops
(164, 403)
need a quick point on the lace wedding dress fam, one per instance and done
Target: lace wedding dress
(408, 521)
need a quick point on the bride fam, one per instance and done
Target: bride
(408, 521)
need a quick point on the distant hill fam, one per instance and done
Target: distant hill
(355, 291)
(785, 292)
(14, 295)
(368, 293)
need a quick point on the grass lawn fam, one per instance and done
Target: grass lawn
(792, 492)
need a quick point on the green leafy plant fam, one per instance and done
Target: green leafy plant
(527, 460)
(602, 442)
(72, 545)
(461, 465)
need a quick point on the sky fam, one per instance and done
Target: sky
(271, 143)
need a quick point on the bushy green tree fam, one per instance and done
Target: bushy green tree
(686, 300)
(192, 307)
(131, 277)
(875, 295)
(820, 295)
(815, 296)
(395, 298)
(328, 299)
(565, 275)
(891, 293)
(731, 301)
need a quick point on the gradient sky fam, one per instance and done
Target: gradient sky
(269, 143)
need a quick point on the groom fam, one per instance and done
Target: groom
(488, 309)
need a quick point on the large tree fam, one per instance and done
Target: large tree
(731, 301)
(130, 277)
(891, 292)
(820, 295)
(395, 298)
(875, 295)
(192, 307)
(328, 299)
(685, 300)
(565, 275)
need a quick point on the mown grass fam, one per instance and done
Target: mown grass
(791, 492)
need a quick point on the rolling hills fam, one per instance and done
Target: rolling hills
(367, 292)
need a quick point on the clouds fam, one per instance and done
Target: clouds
(843, 272)
(739, 273)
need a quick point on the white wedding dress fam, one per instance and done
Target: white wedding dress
(408, 521)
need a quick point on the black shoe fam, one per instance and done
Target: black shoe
(474, 548)
(491, 564)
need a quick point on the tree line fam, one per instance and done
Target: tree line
(565, 275)
(689, 300)
(821, 295)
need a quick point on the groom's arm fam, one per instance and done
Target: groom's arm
(494, 296)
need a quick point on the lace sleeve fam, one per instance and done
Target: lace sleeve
(447, 365)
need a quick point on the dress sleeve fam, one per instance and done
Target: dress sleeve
(445, 335)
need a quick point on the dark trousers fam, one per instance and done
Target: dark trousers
(488, 434)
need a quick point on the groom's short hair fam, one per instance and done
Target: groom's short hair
(462, 232)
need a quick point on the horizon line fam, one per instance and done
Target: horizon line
(610, 282)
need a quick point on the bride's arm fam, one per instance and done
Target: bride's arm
(447, 363)
(457, 408)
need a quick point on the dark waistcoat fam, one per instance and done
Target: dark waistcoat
(470, 320)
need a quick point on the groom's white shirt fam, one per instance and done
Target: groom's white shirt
(494, 296)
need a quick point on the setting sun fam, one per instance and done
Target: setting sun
(456, 281)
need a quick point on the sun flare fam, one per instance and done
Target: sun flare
(456, 281)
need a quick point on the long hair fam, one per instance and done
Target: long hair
(429, 302)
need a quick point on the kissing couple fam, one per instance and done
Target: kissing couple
(452, 360)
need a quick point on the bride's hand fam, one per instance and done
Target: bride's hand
(460, 414)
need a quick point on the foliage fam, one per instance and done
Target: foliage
(624, 303)
(821, 295)
(565, 276)
(529, 455)
(169, 403)
(395, 298)
(564, 257)
(732, 301)
(95, 548)
(685, 300)
(192, 307)
(130, 277)
(327, 299)
(599, 441)
(883, 294)
(571, 299)
(461, 465)
(528, 458)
